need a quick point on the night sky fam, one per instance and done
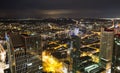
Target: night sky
(59, 8)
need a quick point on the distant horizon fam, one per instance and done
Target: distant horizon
(59, 8)
(29, 18)
(59, 13)
(56, 17)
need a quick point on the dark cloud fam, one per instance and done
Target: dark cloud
(71, 8)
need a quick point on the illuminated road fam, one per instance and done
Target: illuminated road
(89, 45)
(94, 58)
(86, 35)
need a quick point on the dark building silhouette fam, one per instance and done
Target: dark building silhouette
(116, 55)
(25, 53)
(75, 53)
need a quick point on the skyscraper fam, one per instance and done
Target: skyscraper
(25, 53)
(33, 53)
(116, 51)
(116, 55)
(75, 53)
(106, 47)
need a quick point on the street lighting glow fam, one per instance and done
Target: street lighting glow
(118, 67)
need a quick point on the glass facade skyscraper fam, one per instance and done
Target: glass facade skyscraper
(25, 53)
(106, 47)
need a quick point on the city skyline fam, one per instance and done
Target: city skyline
(59, 36)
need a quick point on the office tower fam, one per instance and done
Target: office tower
(32, 43)
(33, 53)
(16, 51)
(116, 55)
(24, 53)
(116, 51)
(106, 47)
(76, 38)
(75, 53)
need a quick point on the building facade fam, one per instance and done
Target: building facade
(106, 47)
(116, 55)
(25, 53)
(116, 50)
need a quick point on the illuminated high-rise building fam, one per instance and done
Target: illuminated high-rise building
(106, 47)
(116, 55)
(75, 53)
(33, 53)
(25, 53)
(116, 51)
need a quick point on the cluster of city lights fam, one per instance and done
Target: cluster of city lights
(50, 64)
